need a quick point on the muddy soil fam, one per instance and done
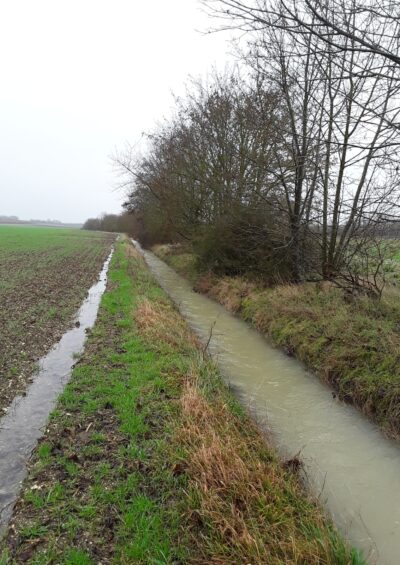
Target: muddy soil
(39, 296)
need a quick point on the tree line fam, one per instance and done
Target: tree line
(287, 168)
(117, 223)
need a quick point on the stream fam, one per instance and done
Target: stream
(349, 464)
(26, 417)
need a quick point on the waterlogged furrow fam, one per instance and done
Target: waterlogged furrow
(24, 422)
(44, 276)
(350, 465)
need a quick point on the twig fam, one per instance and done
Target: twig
(204, 350)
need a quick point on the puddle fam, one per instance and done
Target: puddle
(26, 417)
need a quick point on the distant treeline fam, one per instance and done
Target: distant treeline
(118, 223)
(9, 219)
(35, 222)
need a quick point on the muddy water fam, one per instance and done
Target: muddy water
(26, 418)
(353, 469)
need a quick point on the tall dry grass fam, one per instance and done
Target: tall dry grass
(243, 505)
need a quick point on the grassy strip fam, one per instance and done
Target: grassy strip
(149, 459)
(353, 344)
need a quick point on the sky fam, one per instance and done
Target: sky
(80, 79)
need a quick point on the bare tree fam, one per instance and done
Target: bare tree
(343, 100)
(373, 26)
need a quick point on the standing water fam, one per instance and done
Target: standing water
(349, 464)
(27, 416)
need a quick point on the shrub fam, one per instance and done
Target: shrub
(246, 241)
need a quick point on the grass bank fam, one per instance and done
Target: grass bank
(351, 343)
(149, 459)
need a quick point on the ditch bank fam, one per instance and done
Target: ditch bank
(348, 463)
(148, 458)
(352, 343)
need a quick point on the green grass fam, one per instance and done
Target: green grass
(352, 343)
(107, 383)
(149, 459)
(26, 240)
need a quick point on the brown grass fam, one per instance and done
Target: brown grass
(243, 502)
(228, 291)
(216, 469)
(161, 324)
(131, 251)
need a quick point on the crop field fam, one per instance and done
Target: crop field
(44, 275)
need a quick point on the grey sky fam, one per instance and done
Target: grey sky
(78, 79)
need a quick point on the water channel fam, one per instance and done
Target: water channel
(349, 464)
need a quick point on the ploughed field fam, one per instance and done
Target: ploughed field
(45, 274)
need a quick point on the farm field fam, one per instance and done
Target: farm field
(44, 276)
(149, 459)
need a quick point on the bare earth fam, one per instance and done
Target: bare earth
(44, 277)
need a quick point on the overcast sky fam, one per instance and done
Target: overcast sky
(80, 78)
